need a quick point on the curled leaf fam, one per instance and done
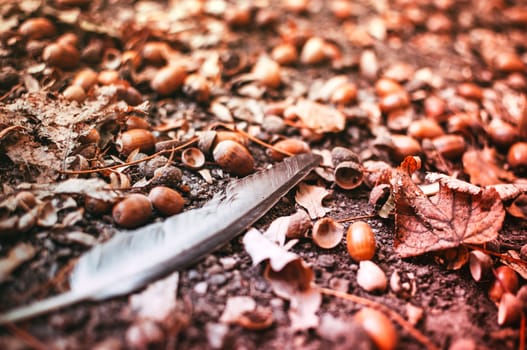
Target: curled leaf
(311, 197)
(290, 277)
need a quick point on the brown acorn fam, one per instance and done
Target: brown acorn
(168, 79)
(37, 28)
(166, 200)
(135, 138)
(480, 265)
(133, 211)
(136, 122)
(74, 93)
(63, 56)
(506, 282)
(197, 87)
(285, 54)
(293, 146)
(155, 53)
(379, 328)
(450, 146)
(313, 51)
(517, 155)
(233, 157)
(267, 72)
(510, 310)
(424, 129)
(404, 146)
(85, 78)
(360, 241)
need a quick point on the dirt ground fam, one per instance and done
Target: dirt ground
(430, 47)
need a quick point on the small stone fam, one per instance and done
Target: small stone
(228, 263)
(325, 261)
(339, 284)
(217, 280)
(216, 333)
(201, 288)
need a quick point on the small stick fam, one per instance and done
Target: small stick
(499, 255)
(112, 167)
(26, 337)
(360, 217)
(420, 337)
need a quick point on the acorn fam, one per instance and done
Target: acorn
(510, 310)
(293, 146)
(96, 206)
(517, 155)
(197, 87)
(450, 146)
(133, 139)
(37, 28)
(371, 277)
(470, 91)
(501, 133)
(360, 241)
(385, 87)
(155, 53)
(25, 200)
(168, 79)
(133, 211)
(327, 233)
(166, 201)
(285, 54)
(506, 282)
(394, 101)
(136, 122)
(68, 39)
(344, 94)
(379, 328)
(74, 93)
(193, 157)
(404, 146)
(85, 78)
(267, 72)
(313, 51)
(63, 56)
(424, 129)
(233, 157)
(108, 77)
(435, 107)
(222, 135)
(508, 62)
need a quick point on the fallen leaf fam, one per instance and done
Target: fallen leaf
(158, 301)
(483, 168)
(292, 226)
(459, 213)
(521, 269)
(518, 208)
(19, 254)
(311, 197)
(290, 278)
(318, 117)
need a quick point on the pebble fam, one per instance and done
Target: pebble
(339, 284)
(201, 288)
(218, 279)
(228, 263)
(216, 333)
(325, 261)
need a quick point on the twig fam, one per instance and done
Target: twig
(112, 167)
(420, 337)
(26, 337)
(360, 217)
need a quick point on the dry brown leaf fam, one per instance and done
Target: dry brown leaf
(158, 301)
(318, 117)
(521, 269)
(292, 226)
(19, 254)
(311, 197)
(483, 168)
(290, 278)
(459, 213)
(518, 208)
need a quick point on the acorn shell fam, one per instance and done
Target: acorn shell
(348, 175)
(327, 233)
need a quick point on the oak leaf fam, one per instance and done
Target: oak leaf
(459, 213)
(311, 197)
